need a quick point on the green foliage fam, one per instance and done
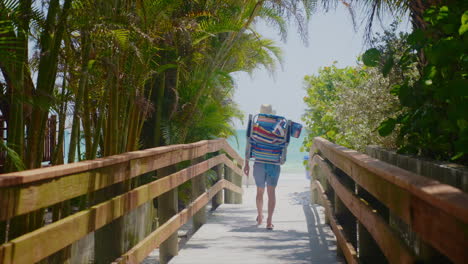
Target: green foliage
(348, 105)
(434, 107)
(12, 156)
(371, 57)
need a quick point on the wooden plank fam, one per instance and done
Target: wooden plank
(20, 200)
(16, 201)
(233, 154)
(168, 206)
(144, 247)
(233, 167)
(198, 187)
(415, 199)
(51, 238)
(447, 198)
(346, 247)
(392, 247)
(219, 198)
(5, 253)
(28, 176)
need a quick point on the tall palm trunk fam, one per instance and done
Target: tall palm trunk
(15, 124)
(50, 41)
(57, 157)
(75, 133)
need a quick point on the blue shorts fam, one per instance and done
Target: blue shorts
(266, 173)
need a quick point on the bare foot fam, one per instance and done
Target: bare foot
(269, 225)
(259, 219)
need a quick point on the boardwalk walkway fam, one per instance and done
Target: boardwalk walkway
(231, 235)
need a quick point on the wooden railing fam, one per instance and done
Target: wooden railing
(24, 194)
(367, 200)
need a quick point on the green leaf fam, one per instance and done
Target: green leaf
(443, 13)
(416, 37)
(13, 156)
(165, 67)
(464, 23)
(395, 89)
(387, 127)
(388, 66)
(122, 36)
(90, 64)
(371, 57)
(457, 156)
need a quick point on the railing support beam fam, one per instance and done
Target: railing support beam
(228, 194)
(198, 188)
(237, 180)
(219, 198)
(339, 208)
(167, 208)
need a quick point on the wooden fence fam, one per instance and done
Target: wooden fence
(362, 194)
(50, 139)
(28, 192)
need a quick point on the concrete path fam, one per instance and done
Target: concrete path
(232, 236)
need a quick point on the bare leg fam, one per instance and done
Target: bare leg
(271, 204)
(260, 192)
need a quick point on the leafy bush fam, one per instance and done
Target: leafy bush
(434, 109)
(348, 105)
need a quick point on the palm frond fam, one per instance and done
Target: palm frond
(12, 156)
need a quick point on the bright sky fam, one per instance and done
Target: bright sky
(331, 38)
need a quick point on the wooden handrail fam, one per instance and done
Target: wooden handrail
(189, 151)
(438, 213)
(27, 191)
(47, 186)
(391, 245)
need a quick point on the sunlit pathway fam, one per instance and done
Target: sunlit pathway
(231, 234)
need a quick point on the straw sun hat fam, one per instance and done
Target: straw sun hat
(266, 109)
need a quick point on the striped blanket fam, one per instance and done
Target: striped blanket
(268, 138)
(266, 153)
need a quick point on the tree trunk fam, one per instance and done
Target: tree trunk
(79, 97)
(50, 42)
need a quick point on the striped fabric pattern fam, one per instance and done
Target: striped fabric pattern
(266, 153)
(268, 139)
(262, 135)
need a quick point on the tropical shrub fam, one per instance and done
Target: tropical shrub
(433, 121)
(348, 105)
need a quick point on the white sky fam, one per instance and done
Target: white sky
(331, 38)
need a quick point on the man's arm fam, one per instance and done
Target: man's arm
(246, 167)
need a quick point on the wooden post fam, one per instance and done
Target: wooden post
(339, 209)
(198, 188)
(218, 199)
(237, 180)
(368, 250)
(109, 239)
(428, 254)
(345, 217)
(322, 178)
(313, 191)
(3, 232)
(167, 208)
(228, 194)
